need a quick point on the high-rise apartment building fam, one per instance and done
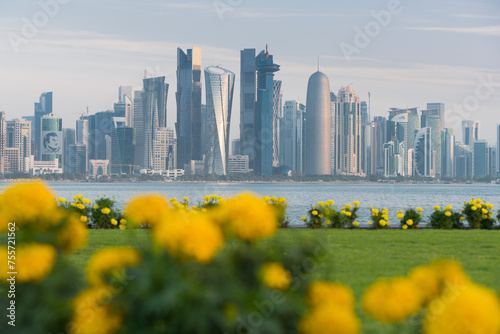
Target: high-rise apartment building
(18, 134)
(164, 150)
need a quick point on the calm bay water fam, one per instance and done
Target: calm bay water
(300, 196)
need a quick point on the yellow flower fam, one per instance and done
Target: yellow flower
(484, 211)
(447, 214)
(356, 224)
(386, 217)
(428, 280)
(74, 234)
(321, 204)
(348, 213)
(337, 294)
(382, 222)
(207, 198)
(436, 207)
(450, 272)
(330, 202)
(274, 199)
(314, 213)
(110, 261)
(80, 206)
(61, 199)
(96, 207)
(375, 211)
(391, 300)
(123, 221)
(348, 206)
(106, 211)
(282, 200)
(275, 276)
(123, 227)
(473, 208)
(33, 262)
(185, 198)
(114, 221)
(400, 216)
(405, 227)
(355, 203)
(409, 222)
(478, 200)
(462, 218)
(327, 222)
(369, 222)
(328, 319)
(93, 313)
(448, 208)
(303, 218)
(86, 201)
(471, 309)
(148, 210)
(188, 234)
(420, 209)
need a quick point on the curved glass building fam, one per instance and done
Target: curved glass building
(317, 141)
(219, 85)
(423, 152)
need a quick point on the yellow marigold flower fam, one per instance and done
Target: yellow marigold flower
(110, 261)
(303, 218)
(185, 198)
(327, 222)
(80, 206)
(405, 227)
(355, 203)
(409, 222)
(123, 221)
(479, 206)
(462, 218)
(314, 213)
(447, 214)
(473, 208)
(328, 319)
(114, 221)
(28, 203)
(106, 211)
(205, 203)
(95, 207)
(451, 272)
(275, 276)
(371, 208)
(321, 203)
(61, 199)
(330, 202)
(190, 235)
(375, 211)
(74, 234)
(207, 198)
(356, 224)
(478, 200)
(148, 210)
(420, 209)
(84, 219)
(86, 201)
(348, 213)
(336, 294)
(400, 216)
(384, 210)
(369, 222)
(122, 227)
(282, 200)
(348, 206)
(471, 309)
(485, 211)
(386, 217)
(34, 262)
(448, 208)
(93, 314)
(391, 300)
(213, 196)
(437, 207)
(382, 222)
(274, 199)
(428, 280)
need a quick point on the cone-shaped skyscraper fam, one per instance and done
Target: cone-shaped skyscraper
(317, 141)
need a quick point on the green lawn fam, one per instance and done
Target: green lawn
(358, 257)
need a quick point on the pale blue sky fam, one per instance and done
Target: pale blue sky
(430, 51)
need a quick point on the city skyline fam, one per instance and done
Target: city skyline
(435, 67)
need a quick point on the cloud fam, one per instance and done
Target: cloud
(475, 16)
(487, 30)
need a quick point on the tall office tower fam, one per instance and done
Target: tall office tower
(164, 150)
(463, 161)
(364, 113)
(188, 97)
(440, 111)
(390, 160)
(346, 133)
(480, 158)
(434, 122)
(498, 149)
(154, 110)
(378, 139)
(139, 129)
(288, 135)
(301, 138)
(42, 107)
(402, 127)
(235, 147)
(3, 138)
(204, 129)
(423, 153)
(100, 126)
(492, 166)
(334, 133)
(219, 85)
(318, 129)
(447, 152)
(18, 134)
(51, 138)
(264, 111)
(248, 99)
(366, 150)
(122, 147)
(470, 132)
(82, 130)
(125, 106)
(77, 159)
(69, 138)
(277, 114)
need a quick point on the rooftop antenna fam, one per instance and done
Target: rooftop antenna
(146, 72)
(369, 108)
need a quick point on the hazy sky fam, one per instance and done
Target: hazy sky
(417, 52)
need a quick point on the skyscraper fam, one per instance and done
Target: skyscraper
(403, 124)
(346, 133)
(42, 107)
(69, 138)
(480, 158)
(440, 111)
(318, 126)
(248, 99)
(154, 110)
(498, 149)
(492, 166)
(100, 127)
(433, 121)
(447, 153)
(19, 136)
(423, 153)
(122, 147)
(277, 114)
(188, 98)
(470, 131)
(164, 150)
(219, 85)
(264, 111)
(288, 135)
(51, 138)
(139, 130)
(3, 137)
(463, 161)
(378, 138)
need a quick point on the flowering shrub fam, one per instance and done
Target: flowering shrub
(446, 219)
(321, 215)
(279, 205)
(410, 219)
(479, 214)
(380, 218)
(102, 214)
(346, 217)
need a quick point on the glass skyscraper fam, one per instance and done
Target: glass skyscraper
(277, 114)
(219, 85)
(263, 164)
(470, 131)
(480, 158)
(42, 107)
(423, 152)
(248, 99)
(122, 146)
(51, 138)
(188, 98)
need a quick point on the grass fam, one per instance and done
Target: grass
(358, 257)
